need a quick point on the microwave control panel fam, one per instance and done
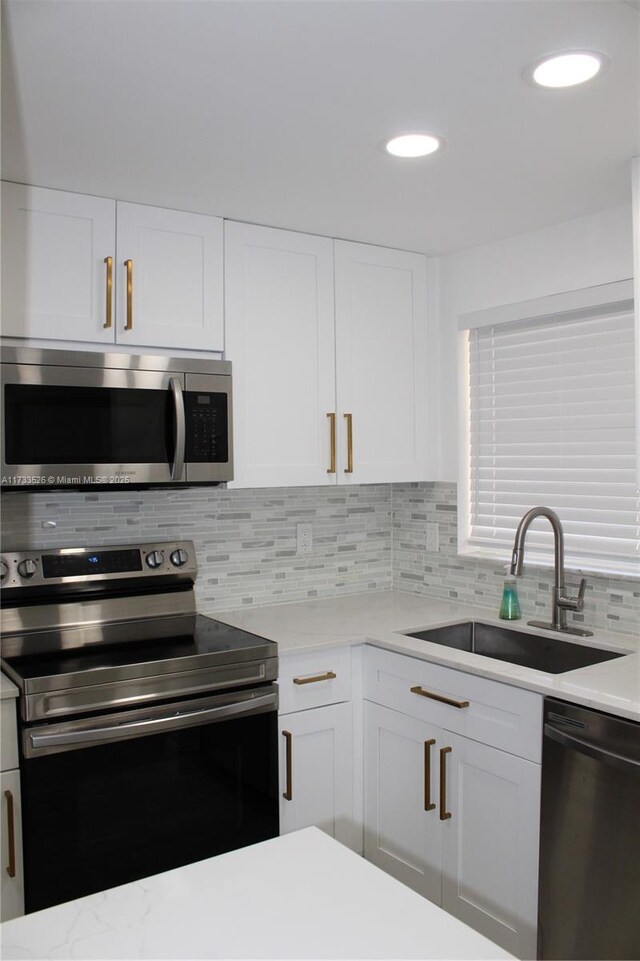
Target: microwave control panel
(206, 416)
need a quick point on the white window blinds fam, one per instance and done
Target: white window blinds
(552, 422)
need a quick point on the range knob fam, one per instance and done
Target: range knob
(27, 568)
(179, 558)
(4, 569)
(154, 559)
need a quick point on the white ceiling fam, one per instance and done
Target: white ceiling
(273, 112)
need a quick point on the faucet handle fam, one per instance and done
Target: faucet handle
(574, 603)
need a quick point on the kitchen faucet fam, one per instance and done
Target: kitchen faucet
(560, 603)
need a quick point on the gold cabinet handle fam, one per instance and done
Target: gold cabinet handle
(444, 814)
(428, 803)
(288, 791)
(349, 419)
(129, 324)
(332, 442)
(438, 697)
(329, 676)
(11, 867)
(109, 311)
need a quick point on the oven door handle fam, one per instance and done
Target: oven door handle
(150, 725)
(180, 428)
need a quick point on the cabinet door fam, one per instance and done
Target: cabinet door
(317, 772)
(54, 276)
(176, 278)
(381, 363)
(402, 830)
(490, 843)
(12, 891)
(279, 313)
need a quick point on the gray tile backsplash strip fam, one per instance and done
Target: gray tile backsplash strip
(611, 603)
(364, 538)
(245, 540)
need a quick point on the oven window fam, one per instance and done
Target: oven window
(105, 815)
(87, 425)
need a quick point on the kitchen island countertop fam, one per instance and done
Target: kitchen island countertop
(376, 617)
(302, 895)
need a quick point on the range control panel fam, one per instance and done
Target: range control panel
(67, 565)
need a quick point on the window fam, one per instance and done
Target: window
(552, 422)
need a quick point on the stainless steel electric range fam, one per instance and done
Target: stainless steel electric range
(148, 732)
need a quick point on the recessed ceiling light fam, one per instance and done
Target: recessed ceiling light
(413, 145)
(567, 69)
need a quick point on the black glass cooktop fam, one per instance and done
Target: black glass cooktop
(191, 637)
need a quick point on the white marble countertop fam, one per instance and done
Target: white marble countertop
(7, 688)
(302, 895)
(376, 617)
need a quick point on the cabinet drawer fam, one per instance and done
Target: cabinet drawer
(496, 714)
(306, 680)
(9, 735)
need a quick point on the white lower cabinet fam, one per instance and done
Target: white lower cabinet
(12, 886)
(490, 842)
(317, 772)
(455, 819)
(402, 833)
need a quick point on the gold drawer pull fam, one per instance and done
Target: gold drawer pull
(329, 676)
(11, 832)
(332, 428)
(129, 324)
(349, 419)
(438, 697)
(109, 308)
(444, 814)
(288, 790)
(428, 803)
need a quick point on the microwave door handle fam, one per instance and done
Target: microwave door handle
(180, 428)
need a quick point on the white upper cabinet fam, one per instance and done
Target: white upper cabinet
(279, 333)
(326, 389)
(64, 275)
(170, 283)
(381, 364)
(54, 275)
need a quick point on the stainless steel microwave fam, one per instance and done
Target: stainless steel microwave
(79, 420)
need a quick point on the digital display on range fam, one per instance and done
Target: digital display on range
(91, 562)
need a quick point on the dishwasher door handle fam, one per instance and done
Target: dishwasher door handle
(590, 750)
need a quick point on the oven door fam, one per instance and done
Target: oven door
(72, 427)
(116, 798)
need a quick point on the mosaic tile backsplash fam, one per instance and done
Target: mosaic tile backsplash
(364, 538)
(611, 604)
(245, 540)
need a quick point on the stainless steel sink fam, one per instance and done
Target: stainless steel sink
(548, 654)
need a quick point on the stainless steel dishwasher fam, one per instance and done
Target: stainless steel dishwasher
(590, 835)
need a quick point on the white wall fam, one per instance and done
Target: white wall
(636, 259)
(597, 249)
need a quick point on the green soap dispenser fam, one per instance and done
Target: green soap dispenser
(510, 606)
